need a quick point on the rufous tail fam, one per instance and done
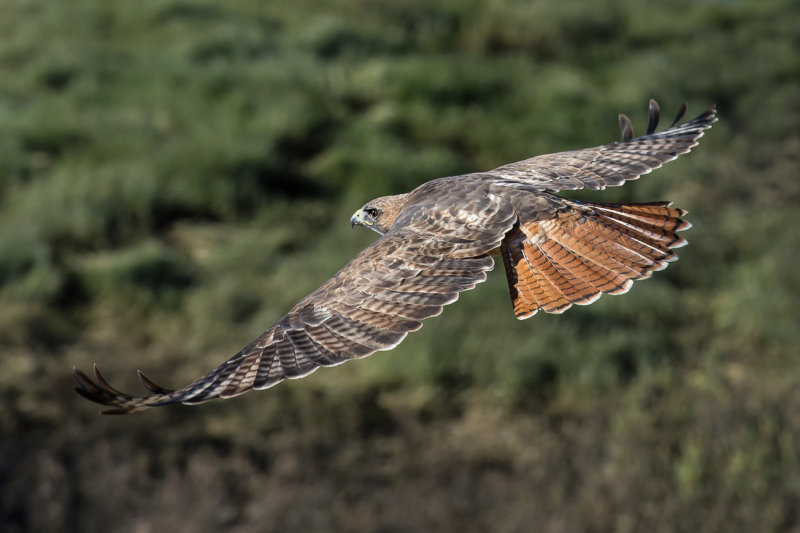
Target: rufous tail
(588, 250)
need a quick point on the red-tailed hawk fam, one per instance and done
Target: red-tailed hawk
(439, 239)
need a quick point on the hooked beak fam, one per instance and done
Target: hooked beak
(356, 218)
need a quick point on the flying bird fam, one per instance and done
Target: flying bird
(440, 239)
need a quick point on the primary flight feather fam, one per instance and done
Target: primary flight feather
(440, 239)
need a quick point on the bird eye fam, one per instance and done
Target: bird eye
(372, 212)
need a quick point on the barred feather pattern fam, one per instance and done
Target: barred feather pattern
(586, 251)
(612, 164)
(437, 242)
(370, 305)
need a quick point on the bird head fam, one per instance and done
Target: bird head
(379, 214)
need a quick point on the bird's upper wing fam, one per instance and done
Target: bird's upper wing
(611, 164)
(409, 274)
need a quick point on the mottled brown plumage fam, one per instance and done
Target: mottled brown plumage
(438, 241)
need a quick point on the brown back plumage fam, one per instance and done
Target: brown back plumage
(437, 241)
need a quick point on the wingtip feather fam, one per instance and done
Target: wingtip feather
(87, 386)
(152, 387)
(654, 116)
(679, 116)
(103, 383)
(625, 127)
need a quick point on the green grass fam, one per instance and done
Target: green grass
(175, 175)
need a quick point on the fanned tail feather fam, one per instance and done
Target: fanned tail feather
(591, 249)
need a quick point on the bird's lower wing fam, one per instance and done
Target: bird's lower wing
(370, 305)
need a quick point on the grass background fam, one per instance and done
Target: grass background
(174, 175)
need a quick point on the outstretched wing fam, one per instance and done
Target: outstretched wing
(612, 164)
(407, 275)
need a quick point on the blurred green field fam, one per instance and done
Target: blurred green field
(174, 175)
